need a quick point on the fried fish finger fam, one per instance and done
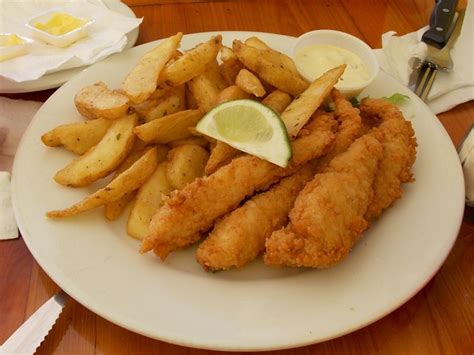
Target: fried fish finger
(328, 216)
(195, 208)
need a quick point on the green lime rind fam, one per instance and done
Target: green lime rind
(208, 125)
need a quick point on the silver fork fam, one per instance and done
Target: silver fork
(437, 59)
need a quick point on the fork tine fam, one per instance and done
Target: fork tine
(424, 79)
(428, 86)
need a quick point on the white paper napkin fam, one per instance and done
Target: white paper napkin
(397, 56)
(107, 35)
(15, 115)
(8, 227)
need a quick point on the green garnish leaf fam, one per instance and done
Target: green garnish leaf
(354, 101)
(397, 98)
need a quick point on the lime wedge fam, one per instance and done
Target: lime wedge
(251, 127)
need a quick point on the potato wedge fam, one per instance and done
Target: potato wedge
(229, 70)
(149, 198)
(168, 105)
(129, 180)
(221, 155)
(200, 141)
(169, 128)
(191, 102)
(185, 163)
(271, 66)
(232, 92)
(256, 42)
(77, 137)
(277, 100)
(249, 83)
(300, 110)
(102, 159)
(141, 82)
(114, 209)
(214, 74)
(205, 91)
(192, 63)
(97, 101)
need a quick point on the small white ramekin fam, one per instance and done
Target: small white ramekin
(346, 41)
(9, 52)
(58, 40)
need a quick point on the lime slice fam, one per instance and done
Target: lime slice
(251, 127)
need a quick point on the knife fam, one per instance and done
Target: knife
(440, 23)
(29, 336)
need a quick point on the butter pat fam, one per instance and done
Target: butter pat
(60, 23)
(466, 155)
(58, 28)
(12, 45)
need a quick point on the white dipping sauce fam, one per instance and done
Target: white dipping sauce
(316, 59)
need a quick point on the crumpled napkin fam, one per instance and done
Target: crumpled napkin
(107, 35)
(398, 55)
(15, 115)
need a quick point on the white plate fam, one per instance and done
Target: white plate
(56, 79)
(257, 308)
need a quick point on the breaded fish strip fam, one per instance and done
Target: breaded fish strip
(399, 147)
(350, 127)
(240, 236)
(194, 208)
(328, 216)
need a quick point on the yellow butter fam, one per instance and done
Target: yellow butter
(10, 40)
(60, 23)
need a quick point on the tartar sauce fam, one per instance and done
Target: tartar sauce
(316, 59)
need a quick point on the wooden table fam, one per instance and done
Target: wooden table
(438, 320)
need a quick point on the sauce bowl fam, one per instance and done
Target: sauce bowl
(342, 40)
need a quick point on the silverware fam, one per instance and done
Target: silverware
(440, 23)
(437, 59)
(29, 336)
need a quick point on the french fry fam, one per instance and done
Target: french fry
(102, 159)
(191, 102)
(221, 155)
(129, 180)
(77, 137)
(148, 199)
(185, 163)
(173, 102)
(249, 83)
(300, 110)
(214, 74)
(141, 82)
(205, 91)
(192, 63)
(97, 101)
(271, 66)
(277, 100)
(200, 141)
(114, 209)
(256, 42)
(169, 128)
(230, 65)
(232, 92)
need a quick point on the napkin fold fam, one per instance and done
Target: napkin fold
(398, 55)
(15, 115)
(107, 35)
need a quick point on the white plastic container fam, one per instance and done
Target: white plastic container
(58, 40)
(9, 52)
(342, 40)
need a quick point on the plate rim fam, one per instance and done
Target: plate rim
(175, 338)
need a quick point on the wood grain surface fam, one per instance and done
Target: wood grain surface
(437, 320)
